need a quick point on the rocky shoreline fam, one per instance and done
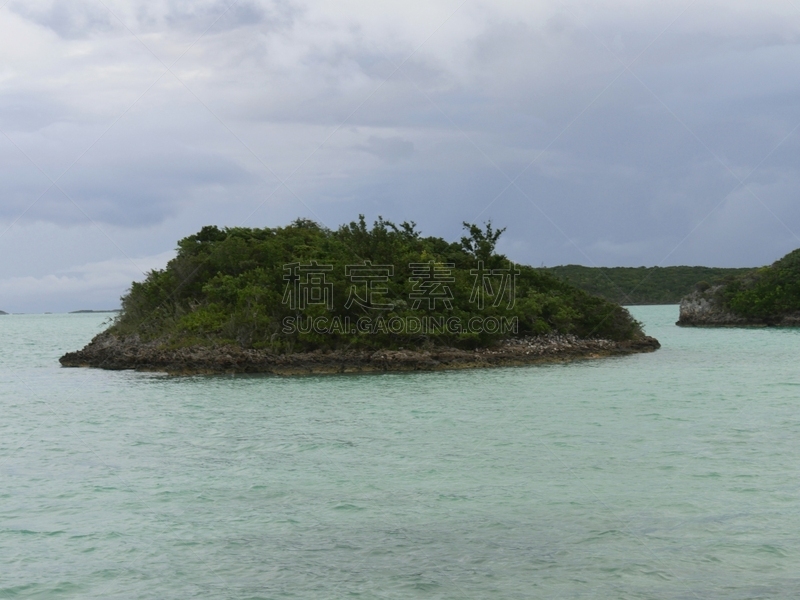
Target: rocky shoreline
(703, 309)
(107, 351)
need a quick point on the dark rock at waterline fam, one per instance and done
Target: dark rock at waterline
(108, 351)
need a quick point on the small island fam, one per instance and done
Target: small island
(764, 297)
(306, 299)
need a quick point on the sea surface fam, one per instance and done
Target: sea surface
(668, 475)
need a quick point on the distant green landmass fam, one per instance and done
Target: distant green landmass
(643, 285)
(2, 312)
(243, 286)
(87, 311)
(765, 296)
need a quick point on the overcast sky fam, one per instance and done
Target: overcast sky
(598, 132)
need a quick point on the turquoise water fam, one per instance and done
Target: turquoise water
(665, 475)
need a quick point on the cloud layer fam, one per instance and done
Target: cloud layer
(93, 286)
(605, 133)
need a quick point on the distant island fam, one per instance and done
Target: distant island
(642, 285)
(2, 312)
(768, 296)
(88, 311)
(307, 299)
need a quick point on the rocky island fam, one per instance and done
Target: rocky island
(306, 299)
(764, 297)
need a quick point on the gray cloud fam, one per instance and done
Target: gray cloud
(224, 15)
(127, 189)
(610, 166)
(70, 19)
(388, 148)
(28, 111)
(88, 286)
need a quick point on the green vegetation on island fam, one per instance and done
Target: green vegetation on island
(263, 289)
(765, 296)
(643, 285)
(766, 293)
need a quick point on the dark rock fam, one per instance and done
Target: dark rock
(107, 351)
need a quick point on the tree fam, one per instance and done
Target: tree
(481, 243)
